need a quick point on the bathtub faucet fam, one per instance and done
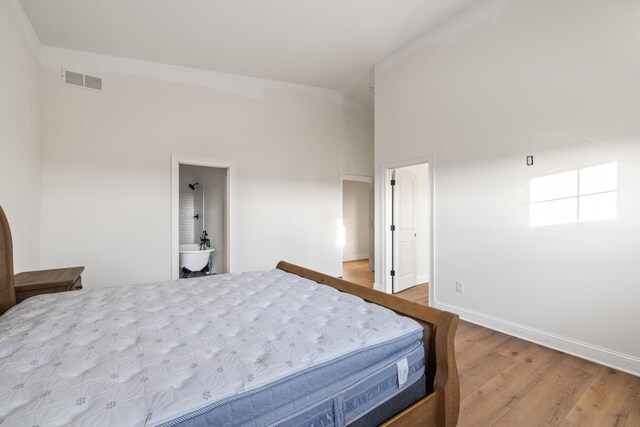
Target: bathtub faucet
(204, 240)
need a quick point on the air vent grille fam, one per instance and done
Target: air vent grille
(93, 82)
(81, 80)
(72, 78)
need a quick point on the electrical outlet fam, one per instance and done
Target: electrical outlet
(460, 287)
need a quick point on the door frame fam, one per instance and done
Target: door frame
(176, 161)
(386, 240)
(358, 178)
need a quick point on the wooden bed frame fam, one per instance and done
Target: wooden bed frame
(441, 405)
(7, 289)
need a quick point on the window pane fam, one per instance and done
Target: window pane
(599, 207)
(598, 179)
(553, 186)
(563, 211)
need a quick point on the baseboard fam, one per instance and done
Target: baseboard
(334, 273)
(620, 361)
(357, 257)
(422, 279)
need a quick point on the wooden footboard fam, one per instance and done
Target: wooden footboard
(441, 405)
(7, 288)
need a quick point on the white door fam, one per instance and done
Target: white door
(405, 254)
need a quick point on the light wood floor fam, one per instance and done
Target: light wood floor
(506, 381)
(358, 272)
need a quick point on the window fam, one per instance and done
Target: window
(588, 194)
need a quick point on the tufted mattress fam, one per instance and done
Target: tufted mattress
(262, 348)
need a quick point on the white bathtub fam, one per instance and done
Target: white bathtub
(192, 258)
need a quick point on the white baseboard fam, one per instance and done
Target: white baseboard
(620, 361)
(357, 257)
(422, 279)
(334, 273)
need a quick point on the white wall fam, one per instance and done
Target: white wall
(20, 101)
(555, 79)
(107, 162)
(190, 204)
(214, 181)
(355, 216)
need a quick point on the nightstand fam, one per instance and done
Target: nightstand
(32, 283)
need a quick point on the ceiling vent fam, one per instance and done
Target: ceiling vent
(81, 80)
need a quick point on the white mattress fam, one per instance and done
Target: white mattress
(147, 354)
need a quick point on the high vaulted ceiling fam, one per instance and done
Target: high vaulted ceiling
(327, 43)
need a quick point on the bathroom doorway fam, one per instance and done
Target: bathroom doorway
(202, 199)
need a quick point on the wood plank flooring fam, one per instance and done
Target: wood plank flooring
(358, 272)
(506, 381)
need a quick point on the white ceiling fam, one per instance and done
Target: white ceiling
(327, 43)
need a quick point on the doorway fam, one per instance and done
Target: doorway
(202, 199)
(202, 207)
(356, 228)
(409, 219)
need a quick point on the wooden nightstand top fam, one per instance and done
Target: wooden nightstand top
(59, 277)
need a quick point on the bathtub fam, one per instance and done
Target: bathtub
(192, 258)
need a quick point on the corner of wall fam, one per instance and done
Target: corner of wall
(27, 28)
(21, 135)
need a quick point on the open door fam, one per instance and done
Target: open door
(404, 237)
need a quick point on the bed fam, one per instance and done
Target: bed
(284, 347)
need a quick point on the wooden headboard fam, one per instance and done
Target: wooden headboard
(7, 290)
